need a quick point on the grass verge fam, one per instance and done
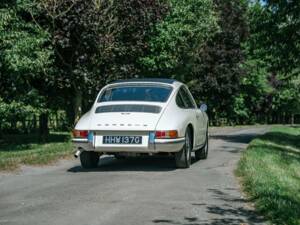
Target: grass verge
(270, 172)
(27, 149)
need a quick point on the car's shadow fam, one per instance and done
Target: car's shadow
(139, 163)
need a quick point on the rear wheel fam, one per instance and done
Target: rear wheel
(202, 152)
(183, 157)
(89, 159)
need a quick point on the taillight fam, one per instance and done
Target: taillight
(80, 133)
(166, 134)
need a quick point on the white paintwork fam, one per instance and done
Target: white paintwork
(171, 117)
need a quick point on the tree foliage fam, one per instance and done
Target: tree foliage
(282, 28)
(96, 42)
(219, 73)
(273, 49)
(241, 58)
(177, 40)
(25, 56)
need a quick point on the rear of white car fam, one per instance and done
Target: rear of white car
(127, 126)
(129, 117)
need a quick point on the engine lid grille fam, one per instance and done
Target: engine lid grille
(128, 108)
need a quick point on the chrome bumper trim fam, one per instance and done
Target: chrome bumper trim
(159, 145)
(80, 140)
(169, 141)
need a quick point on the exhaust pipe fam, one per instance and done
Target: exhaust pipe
(77, 154)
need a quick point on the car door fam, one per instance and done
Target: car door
(200, 129)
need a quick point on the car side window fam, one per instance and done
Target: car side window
(187, 98)
(191, 99)
(183, 99)
(179, 100)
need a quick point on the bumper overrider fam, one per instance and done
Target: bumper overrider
(154, 146)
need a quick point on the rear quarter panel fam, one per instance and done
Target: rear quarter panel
(84, 122)
(175, 118)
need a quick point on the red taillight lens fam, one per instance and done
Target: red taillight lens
(166, 134)
(80, 133)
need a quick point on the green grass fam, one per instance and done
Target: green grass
(270, 172)
(28, 149)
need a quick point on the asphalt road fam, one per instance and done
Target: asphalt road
(133, 191)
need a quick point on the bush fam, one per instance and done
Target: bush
(14, 112)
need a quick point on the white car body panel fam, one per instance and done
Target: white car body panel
(124, 121)
(171, 117)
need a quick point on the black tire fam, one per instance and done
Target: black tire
(202, 153)
(183, 157)
(89, 159)
(118, 156)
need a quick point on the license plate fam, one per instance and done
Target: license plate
(135, 140)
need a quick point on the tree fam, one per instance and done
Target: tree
(175, 43)
(252, 104)
(288, 99)
(256, 90)
(282, 39)
(218, 74)
(25, 56)
(273, 42)
(96, 42)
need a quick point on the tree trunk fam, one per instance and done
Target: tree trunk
(24, 127)
(74, 108)
(56, 121)
(77, 105)
(34, 123)
(0, 131)
(43, 126)
(292, 119)
(283, 118)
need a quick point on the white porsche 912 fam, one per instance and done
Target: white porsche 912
(142, 116)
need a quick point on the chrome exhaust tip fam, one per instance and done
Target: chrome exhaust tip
(77, 154)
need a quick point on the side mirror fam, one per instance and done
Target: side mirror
(203, 107)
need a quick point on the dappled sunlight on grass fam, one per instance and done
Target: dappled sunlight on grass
(291, 137)
(270, 171)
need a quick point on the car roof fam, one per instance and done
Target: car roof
(143, 80)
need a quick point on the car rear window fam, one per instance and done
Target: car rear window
(146, 93)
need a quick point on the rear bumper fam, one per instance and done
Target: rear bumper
(159, 145)
(169, 145)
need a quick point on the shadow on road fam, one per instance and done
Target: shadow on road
(220, 214)
(244, 138)
(228, 213)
